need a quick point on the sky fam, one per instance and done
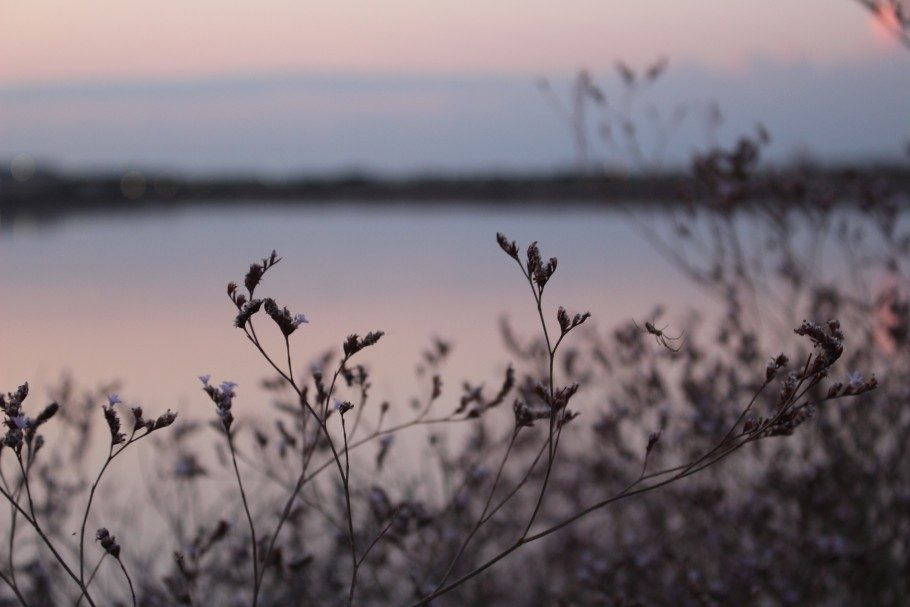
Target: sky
(406, 85)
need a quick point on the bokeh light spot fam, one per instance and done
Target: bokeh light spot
(22, 167)
(133, 185)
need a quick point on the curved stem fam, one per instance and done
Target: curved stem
(91, 577)
(480, 520)
(88, 507)
(14, 587)
(249, 518)
(48, 543)
(525, 539)
(728, 444)
(554, 425)
(378, 537)
(128, 580)
(355, 564)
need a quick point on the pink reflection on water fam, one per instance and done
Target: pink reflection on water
(142, 298)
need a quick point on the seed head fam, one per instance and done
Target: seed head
(108, 542)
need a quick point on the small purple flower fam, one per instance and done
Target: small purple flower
(21, 421)
(300, 319)
(855, 380)
(113, 399)
(343, 407)
(205, 379)
(228, 387)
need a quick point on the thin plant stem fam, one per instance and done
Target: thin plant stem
(12, 584)
(378, 537)
(729, 444)
(88, 507)
(321, 421)
(128, 580)
(355, 563)
(480, 519)
(113, 452)
(526, 539)
(48, 543)
(249, 518)
(91, 577)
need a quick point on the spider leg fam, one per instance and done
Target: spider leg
(680, 336)
(634, 322)
(666, 345)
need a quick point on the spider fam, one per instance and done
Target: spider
(662, 338)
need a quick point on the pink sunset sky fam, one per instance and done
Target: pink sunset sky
(416, 85)
(48, 41)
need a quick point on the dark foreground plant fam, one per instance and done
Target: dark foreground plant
(770, 245)
(24, 442)
(399, 528)
(374, 530)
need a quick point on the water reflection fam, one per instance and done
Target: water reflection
(141, 297)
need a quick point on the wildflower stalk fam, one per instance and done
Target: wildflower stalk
(47, 542)
(328, 462)
(14, 518)
(556, 415)
(88, 507)
(14, 515)
(91, 577)
(249, 518)
(481, 519)
(355, 563)
(378, 538)
(14, 587)
(731, 442)
(28, 491)
(323, 427)
(518, 485)
(118, 444)
(113, 452)
(129, 580)
(629, 491)
(287, 347)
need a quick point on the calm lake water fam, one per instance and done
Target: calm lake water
(141, 297)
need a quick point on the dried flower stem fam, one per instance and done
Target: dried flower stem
(525, 539)
(480, 520)
(12, 584)
(14, 517)
(518, 485)
(320, 420)
(91, 577)
(249, 518)
(111, 456)
(328, 462)
(355, 562)
(28, 491)
(555, 428)
(728, 445)
(378, 537)
(47, 542)
(128, 580)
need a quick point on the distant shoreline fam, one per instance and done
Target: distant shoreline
(48, 196)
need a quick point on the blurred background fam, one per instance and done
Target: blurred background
(405, 87)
